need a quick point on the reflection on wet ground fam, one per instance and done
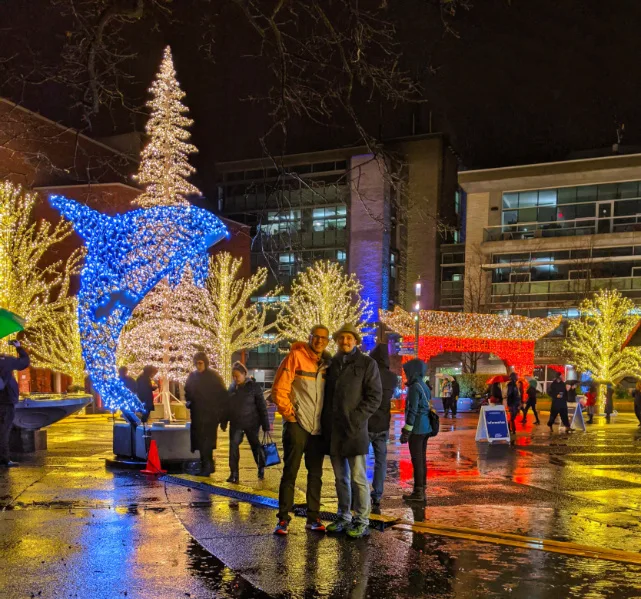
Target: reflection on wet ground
(71, 528)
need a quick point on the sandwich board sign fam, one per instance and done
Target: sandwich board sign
(492, 426)
(577, 419)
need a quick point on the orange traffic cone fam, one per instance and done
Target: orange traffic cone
(153, 461)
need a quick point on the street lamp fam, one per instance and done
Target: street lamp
(417, 309)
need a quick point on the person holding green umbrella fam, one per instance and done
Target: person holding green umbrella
(10, 323)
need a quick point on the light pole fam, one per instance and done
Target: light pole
(417, 310)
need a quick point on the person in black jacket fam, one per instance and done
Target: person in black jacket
(378, 425)
(9, 396)
(456, 391)
(531, 402)
(127, 381)
(207, 400)
(559, 395)
(513, 401)
(247, 413)
(145, 387)
(352, 394)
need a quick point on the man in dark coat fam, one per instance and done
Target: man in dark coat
(513, 401)
(559, 395)
(9, 397)
(128, 381)
(247, 413)
(207, 400)
(456, 391)
(378, 425)
(352, 394)
(145, 388)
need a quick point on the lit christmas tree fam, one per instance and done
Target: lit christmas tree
(56, 344)
(323, 294)
(30, 284)
(233, 322)
(595, 341)
(164, 330)
(164, 166)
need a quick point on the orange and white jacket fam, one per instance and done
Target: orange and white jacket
(299, 387)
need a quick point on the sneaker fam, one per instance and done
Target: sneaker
(376, 501)
(9, 464)
(358, 530)
(233, 478)
(338, 526)
(281, 528)
(315, 525)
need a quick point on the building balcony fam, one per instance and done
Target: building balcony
(565, 228)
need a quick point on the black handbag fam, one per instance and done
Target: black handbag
(435, 422)
(270, 451)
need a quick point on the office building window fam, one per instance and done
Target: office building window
(329, 218)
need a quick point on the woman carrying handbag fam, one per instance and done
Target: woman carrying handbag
(247, 414)
(417, 428)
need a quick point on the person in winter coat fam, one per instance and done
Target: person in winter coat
(531, 402)
(298, 393)
(559, 395)
(513, 400)
(609, 401)
(590, 402)
(378, 425)
(9, 396)
(352, 395)
(496, 395)
(417, 425)
(247, 413)
(446, 396)
(456, 392)
(207, 400)
(145, 387)
(636, 394)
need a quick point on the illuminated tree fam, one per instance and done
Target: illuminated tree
(233, 322)
(596, 340)
(323, 294)
(31, 284)
(55, 344)
(164, 166)
(164, 330)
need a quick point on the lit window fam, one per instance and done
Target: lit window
(341, 256)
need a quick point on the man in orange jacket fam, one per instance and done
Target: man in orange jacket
(298, 391)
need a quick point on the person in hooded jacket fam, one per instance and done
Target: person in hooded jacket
(145, 387)
(559, 395)
(417, 425)
(207, 400)
(531, 402)
(513, 400)
(378, 425)
(247, 413)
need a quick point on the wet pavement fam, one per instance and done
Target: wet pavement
(71, 528)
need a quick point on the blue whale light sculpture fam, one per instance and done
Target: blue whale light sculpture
(127, 255)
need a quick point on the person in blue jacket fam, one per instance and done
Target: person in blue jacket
(417, 426)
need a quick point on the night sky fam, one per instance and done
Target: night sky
(525, 81)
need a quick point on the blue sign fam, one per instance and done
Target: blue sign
(493, 424)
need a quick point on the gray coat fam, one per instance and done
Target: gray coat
(352, 394)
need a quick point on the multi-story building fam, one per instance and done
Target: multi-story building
(540, 238)
(380, 216)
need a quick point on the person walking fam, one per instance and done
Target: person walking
(145, 387)
(352, 395)
(298, 392)
(127, 381)
(513, 400)
(609, 402)
(207, 401)
(417, 425)
(446, 395)
(590, 402)
(559, 395)
(9, 396)
(636, 394)
(247, 413)
(456, 392)
(531, 394)
(496, 395)
(378, 425)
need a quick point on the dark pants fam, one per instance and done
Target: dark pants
(563, 412)
(449, 405)
(235, 439)
(379, 445)
(296, 443)
(7, 412)
(206, 445)
(418, 451)
(637, 411)
(514, 412)
(529, 405)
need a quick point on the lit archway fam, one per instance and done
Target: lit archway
(510, 338)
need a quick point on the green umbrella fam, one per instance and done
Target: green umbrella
(10, 323)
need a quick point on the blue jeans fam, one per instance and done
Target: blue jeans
(351, 478)
(379, 445)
